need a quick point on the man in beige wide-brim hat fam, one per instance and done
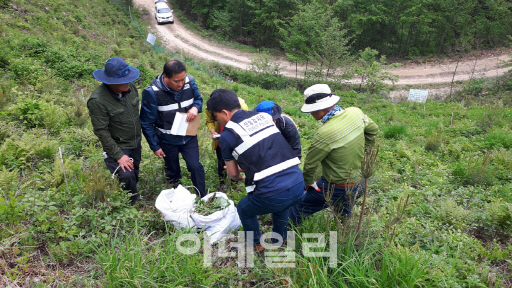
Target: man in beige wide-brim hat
(338, 146)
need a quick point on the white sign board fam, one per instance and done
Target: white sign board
(418, 95)
(151, 39)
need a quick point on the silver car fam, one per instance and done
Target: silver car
(162, 12)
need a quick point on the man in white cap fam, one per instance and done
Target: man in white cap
(114, 111)
(338, 146)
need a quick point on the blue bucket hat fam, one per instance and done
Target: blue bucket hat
(116, 72)
(270, 108)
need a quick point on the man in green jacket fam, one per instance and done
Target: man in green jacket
(338, 146)
(114, 111)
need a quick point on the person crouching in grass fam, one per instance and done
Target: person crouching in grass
(273, 181)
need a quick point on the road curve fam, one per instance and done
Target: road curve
(177, 38)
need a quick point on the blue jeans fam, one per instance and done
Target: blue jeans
(315, 201)
(251, 206)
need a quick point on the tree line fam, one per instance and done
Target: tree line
(307, 29)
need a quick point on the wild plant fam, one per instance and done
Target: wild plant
(433, 142)
(498, 138)
(25, 150)
(80, 115)
(5, 96)
(488, 119)
(140, 260)
(477, 172)
(367, 168)
(98, 184)
(6, 130)
(396, 131)
(498, 217)
(10, 207)
(152, 176)
(450, 213)
(55, 177)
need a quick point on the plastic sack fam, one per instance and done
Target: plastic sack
(220, 223)
(175, 206)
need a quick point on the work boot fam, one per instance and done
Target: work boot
(134, 198)
(259, 249)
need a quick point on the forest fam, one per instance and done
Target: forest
(393, 28)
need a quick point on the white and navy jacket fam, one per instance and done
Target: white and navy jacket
(159, 107)
(260, 149)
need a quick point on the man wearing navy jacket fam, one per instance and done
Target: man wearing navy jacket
(273, 179)
(169, 93)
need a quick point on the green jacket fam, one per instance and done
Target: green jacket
(115, 120)
(338, 146)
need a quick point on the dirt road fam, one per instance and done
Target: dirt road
(177, 38)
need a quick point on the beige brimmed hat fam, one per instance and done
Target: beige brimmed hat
(318, 97)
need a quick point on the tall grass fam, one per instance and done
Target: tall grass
(140, 260)
(396, 131)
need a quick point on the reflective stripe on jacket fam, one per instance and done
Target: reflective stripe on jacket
(260, 149)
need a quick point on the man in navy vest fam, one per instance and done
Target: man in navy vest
(169, 93)
(273, 179)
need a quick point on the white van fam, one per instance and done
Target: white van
(162, 12)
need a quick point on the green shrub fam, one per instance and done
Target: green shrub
(78, 139)
(7, 178)
(433, 143)
(26, 150)
(497, 139)
(30, 113)
(27, 70)
(453, 150)
(397, 131)
(452, 214)
(40, 114)
(6, 130)
(347, 97)
(476, 172)
(99, 186)
(499, 216)
(11, 211)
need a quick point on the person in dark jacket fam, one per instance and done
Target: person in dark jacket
(273, 179)
(284, 123)
(169, 93)
(114, 111)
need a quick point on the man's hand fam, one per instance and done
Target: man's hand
(314, 186)
(125, 163)
(160, 153)
(214, 133)
(240, 178)
(233, 170)
(239, 169)
(192, 114)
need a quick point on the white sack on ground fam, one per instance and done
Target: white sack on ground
(220, 223)
(176, 205)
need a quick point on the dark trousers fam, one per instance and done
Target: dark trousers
(278, 204)
(315, 201)
(220, 165)
(128, 178)
(190, 153)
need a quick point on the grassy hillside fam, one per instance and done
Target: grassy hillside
(439, 209)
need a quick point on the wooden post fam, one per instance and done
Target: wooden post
(64, 172)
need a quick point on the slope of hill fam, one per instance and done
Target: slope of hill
(439, 204)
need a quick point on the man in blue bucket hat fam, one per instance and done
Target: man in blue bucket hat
(114, 111)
